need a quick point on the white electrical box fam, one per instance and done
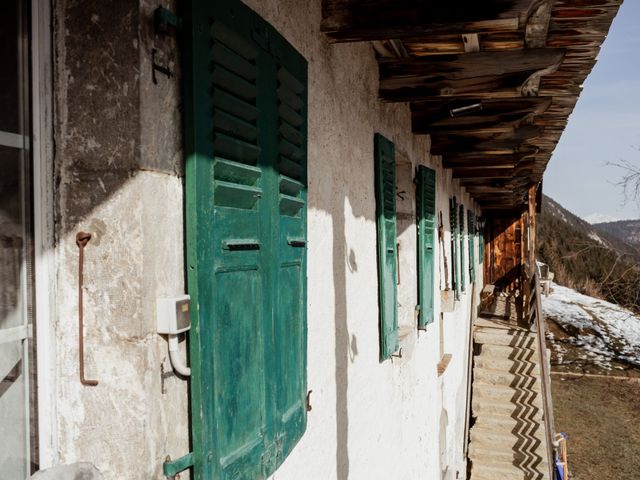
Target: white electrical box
(174, 314)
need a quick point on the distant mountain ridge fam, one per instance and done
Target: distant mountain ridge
(588, 258)
(583, 233)
(600, 218)
(626, 230)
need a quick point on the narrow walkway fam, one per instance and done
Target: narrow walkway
(507, 437)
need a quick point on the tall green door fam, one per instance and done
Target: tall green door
(245, 124)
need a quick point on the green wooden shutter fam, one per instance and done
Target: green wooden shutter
(426, 241)
(291, 289)
(455, 267)
(463, 272)
(385, 178)
(481, 245)
(471, 232)
(245, 147)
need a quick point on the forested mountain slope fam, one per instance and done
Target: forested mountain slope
(626, 230)
(586, 258)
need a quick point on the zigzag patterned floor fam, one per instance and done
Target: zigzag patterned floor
(507, 437)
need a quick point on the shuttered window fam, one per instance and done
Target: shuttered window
(246, 183)
(481, 243)
(453, 222)
(463, 270)
(385, 188)
(426, 243)
(471, 232)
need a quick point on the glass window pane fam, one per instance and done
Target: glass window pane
(13, 414)
(12, 241)
(18, 414)
(11, 44)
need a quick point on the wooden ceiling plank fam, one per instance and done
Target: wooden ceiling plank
(367, 20)
(394, 71)
(489, 173)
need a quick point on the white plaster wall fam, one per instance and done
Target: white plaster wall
(369, 420)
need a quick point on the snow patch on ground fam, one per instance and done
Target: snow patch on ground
(594, 236)
(604, 331)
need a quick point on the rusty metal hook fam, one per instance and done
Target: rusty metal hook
(82, 238)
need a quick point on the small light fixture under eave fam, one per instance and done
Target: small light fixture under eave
(466, 110)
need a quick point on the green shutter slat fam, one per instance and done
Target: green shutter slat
(290, 115)
(234, 40)
(291, 133)
(234, 172)
(426, 244)
(471, 232)
(242, 109)
(234, 126)
(227, 194)
(385, 190)
(289, 97)
(481, 245)
(290, 168)
(288, 149)
(235, 149)
(290, 205)
(245, 118)
(291, 187)
(235, 84)
(288, 80)
(453, 221)
(233, 62)
(463, 272)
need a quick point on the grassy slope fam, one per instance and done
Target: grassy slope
(601, 418)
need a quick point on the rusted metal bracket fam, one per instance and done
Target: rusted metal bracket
(82, 238)
(163, 19)
(309, 407)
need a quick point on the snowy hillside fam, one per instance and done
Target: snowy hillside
(587, 332)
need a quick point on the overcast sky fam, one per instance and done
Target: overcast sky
(605, 126)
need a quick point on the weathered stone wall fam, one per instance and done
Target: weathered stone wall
(117, 164)
(118, 171)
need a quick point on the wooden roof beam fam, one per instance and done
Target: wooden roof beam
(366, 20)
(524, 151)
(481, 174)
(485, 74)
(496, 161)
(435, 116)
(441, 144)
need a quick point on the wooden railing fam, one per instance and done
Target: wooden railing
(536, 320)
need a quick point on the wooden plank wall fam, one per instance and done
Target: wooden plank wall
(503, 252)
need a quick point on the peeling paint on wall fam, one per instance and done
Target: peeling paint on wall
(117, 163)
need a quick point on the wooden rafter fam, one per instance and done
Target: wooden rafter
(365, 20)
(485, 74)
(442, 144)
(432, 117)
(493, 82)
